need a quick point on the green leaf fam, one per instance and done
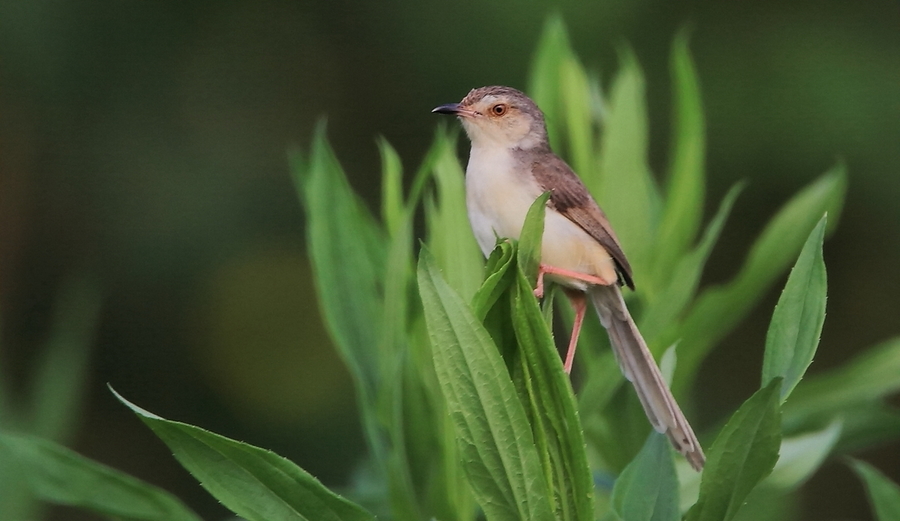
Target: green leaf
(625, 187)
(347, 249)
(392, 207)
(550, 403)
(799, 316)
(58, 384)
(861, 382)
(544, 83)
(450, 237)
(802, 455)
(883, 493)
(426, 169)
(529, 251)
(254, 483)
(559, 85)
(58, 475)
(647, 490)
(664, 308)
(868, 425)
(52, 405)
(744, 453)
(394, 351)
(495, 438)
(685, 188)
(348, 253)
(576, 99)
(770, 504)
(499, 278)
(719, 309)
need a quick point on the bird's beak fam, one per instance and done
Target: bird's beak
(449, 108)
(453, 108)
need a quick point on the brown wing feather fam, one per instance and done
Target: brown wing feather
(570, 197)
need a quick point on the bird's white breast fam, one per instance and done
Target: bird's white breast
(496, 198)
(499, 192)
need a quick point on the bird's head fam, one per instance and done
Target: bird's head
(499, 117)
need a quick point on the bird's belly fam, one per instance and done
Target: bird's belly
(567, 246)
(497, 203)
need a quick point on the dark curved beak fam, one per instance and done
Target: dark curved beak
(449, 108)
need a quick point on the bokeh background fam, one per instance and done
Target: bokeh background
(143, 154)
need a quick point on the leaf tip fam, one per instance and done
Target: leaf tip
(137, 409)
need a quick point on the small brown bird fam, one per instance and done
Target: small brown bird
(510, 165)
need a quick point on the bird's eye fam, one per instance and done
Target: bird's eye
(499, 109)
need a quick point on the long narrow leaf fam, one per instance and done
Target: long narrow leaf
(802, 455)
(647, 490)
(666, 306)
(57, 475)
(495, 438)
(393, 348)
(544, 84)
(744, 453)
(254, 483)
(625, 188)
(719, 309)
(863, 381)
(883, 493)
(451, 240)
(576, 98)
(57, 387)
(392, 207)
(686, 182)
(799, 316)
(347, 251)
(552, 405)
(529, 251)
(544, 388)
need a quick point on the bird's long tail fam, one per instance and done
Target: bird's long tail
(640, 369)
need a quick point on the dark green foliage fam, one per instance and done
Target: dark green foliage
(465, 406)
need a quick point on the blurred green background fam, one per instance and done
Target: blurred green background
(143, 148)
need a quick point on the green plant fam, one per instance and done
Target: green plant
(51, 403)
(464, 404)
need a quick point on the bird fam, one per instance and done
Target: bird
(510, 165)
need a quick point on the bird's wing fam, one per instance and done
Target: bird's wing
(571, 198)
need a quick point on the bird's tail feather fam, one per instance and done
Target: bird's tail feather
(640, 369)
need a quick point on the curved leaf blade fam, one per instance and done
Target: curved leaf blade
(797, 322)
(719, 309)
(625, 188)
(683, 281)
(744, 453)
(544, 84)
(853, 387)
(254, 483)
(802, 455)
(550, 401)
(454, 247)
(347, 250)
(58, 475)
(883, 493)
(495, 438)
(647, 490)
(685, 188)
(531, 238)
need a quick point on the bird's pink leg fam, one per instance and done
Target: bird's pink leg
(577, 298)
(539, 288)
(579, 302)
(546, 268)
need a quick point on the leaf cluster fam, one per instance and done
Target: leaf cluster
(464, 404)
